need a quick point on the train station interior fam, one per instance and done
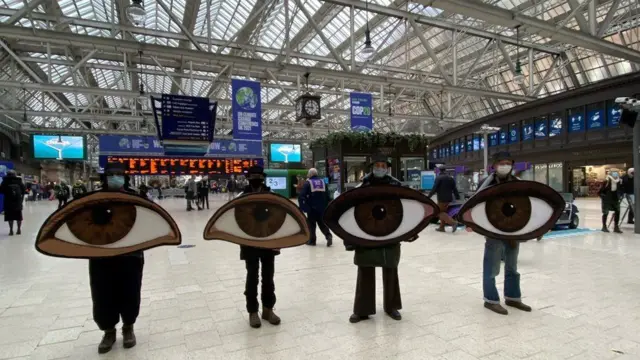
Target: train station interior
(176, 177)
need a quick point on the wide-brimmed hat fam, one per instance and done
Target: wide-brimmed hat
(255, 172)
(501, 155)
(377, 158)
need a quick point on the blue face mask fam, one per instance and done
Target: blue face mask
(115, 182)
(615, 174)
(378, 172)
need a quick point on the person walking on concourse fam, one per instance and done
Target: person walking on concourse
(314, 199)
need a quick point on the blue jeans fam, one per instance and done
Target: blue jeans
(493, 252)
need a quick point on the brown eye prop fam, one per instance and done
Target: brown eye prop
(517, 210)
(379, 215)
(104, 224)
(265, 220)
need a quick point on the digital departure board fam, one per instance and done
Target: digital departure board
(141, 165)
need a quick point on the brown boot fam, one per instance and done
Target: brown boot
(496, 308)
(254, 320)
(107, 342)
(518, 305)
(270, 316)
(128, 337)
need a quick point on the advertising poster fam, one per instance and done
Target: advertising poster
(456, 148)
(481, 142)
(334, 173)
(576, 123)
(541, 128)
(129, 144)
(614, 112)
(503, 137)
(476, 143)
(555, 126)
(427, 179)
(493, 139)
(361, 112)
(595, 119)
(58, 147)
(235, 148)
(462, 145)
(469, 144)
(527, 132)
(513, 134)
(246, 109)
(187, 118)
(451, 148)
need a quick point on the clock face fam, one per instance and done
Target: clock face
(311, 107)
(299, 108)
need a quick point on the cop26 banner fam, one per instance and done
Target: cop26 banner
(246, 110)
(361, 112)
(129, 145)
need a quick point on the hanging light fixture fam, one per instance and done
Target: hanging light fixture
(136, 13)
(368, 50)
(518, 77)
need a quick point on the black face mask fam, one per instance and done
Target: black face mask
(255, 182)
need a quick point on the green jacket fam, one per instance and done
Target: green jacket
(387, 256)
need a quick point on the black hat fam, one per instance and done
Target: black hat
(255, 172)
(501, 155)
(380, 158)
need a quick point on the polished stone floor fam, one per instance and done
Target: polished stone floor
(584, 290)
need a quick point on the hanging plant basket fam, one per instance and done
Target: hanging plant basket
(371, 139)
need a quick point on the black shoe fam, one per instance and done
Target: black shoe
(128, 337)
(311, 243)
(11, 233)
(394, 314)
(604, 229)
(357, 318)
(18, 232)
(617, 230)
(107, 342)
(329, 242)
(518, 305)
(439, 230)
(496, 308)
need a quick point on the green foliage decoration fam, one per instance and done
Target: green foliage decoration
(365, 140)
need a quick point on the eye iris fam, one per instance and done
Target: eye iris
(103, 224)
(259, 220)
(509, 214)
(379, 218)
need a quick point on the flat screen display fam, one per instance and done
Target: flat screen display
(285, 153)
(58, 147)
(143, 165)
(276, 183)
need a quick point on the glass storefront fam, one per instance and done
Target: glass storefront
(410, 171)
(540, 173)
(551, 174)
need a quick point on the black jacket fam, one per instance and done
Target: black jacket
(13, 190)
(369, 179)
(445, 187)
(627, 185)
(315, 201)
(249, 252)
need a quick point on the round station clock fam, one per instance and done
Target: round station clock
(308, 108)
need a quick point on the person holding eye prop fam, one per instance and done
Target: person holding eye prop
(116, 283)
(495, 249)
(367, 259)
(253, 257)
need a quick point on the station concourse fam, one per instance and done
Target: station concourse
(180, 102)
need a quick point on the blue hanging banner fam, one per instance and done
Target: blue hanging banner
(246, 108)
(235, 148)
(361, 112)
(576, 123)
(513, 134)
(555, 126)
(129, 144)
(541, 128)
(493, 139)
(527, 132)
(595, 119)
(503, 137)
(614, 113)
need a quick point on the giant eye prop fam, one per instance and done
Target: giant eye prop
(379, 215)
(104, 224)
(516, 210)
(264, 220)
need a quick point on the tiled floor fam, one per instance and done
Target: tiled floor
(584, 291)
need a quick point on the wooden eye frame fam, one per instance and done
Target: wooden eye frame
(213, 232)
(363, 194)
(520, 188)
(48, 244)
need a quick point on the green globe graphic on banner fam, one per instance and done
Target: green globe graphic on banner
(246, 98)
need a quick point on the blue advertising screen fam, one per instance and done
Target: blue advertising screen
(285, 153)
(493, 139)
(541, 128)
(595, 119)
(481, 142)
(576, 123)
(58, 147)
(513, 134)
(469, 143)
(555, 126)
(503, 137)
(613, 115)
(456, 147)
(476, 143)
(462, 145)
(527, 132)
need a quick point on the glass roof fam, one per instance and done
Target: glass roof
(258, 29)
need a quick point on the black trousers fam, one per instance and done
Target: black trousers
(115, 290)
(204, 198)
(268, 293)
(315, 218)
(62, 202)
(365, 301)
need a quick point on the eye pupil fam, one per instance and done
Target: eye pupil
(379, 212)
(261, 213)
(101, 215)
(508, 209)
